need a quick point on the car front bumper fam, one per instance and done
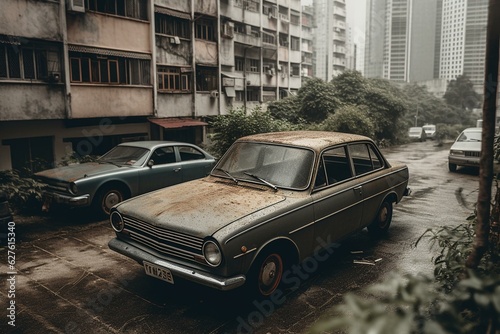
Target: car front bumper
(203, 278)
(51, 197)
(463, 161)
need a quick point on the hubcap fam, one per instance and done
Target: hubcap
(270, 274)
(110, 200)
(383, 216)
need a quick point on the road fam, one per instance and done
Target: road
(68, 281)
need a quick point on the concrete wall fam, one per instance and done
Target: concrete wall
(100, 101)
(206, 52)
(173, 54)
(179, 5)
(26, 101)
(110, 32)
(175, 105)
(36, 19)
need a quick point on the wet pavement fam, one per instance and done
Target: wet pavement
(68, 281)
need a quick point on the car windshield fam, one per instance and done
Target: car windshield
(470, 136)
(429, 128)
(125, 156)
(280, 166)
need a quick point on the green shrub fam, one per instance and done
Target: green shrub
(24, 192)
(350, 119)
(236, 124)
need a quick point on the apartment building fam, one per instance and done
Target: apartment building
(84, 75)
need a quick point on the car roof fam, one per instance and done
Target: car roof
(316, 140)
(473, 130)
(149, 144)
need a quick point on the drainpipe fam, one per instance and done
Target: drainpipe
(219, 65)
(153, 60)
(193, 62)
(65, 64)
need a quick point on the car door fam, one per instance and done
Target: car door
(194, 163)
(368, 169)
(162, 170)
(336, 196)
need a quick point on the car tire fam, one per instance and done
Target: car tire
(106, 198)
(266, 275)
(382, 220)
(452, 167)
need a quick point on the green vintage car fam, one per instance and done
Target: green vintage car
(127, 170)
(272, 202)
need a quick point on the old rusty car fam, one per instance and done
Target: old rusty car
(127, 170)
(272, 201)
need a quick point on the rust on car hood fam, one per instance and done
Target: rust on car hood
(199, 207)
(74, 172)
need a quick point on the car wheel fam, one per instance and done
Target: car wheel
(382, 221)
(106, 198)
(452, 167)
(267, 274)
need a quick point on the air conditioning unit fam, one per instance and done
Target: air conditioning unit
(214, 94)
(76, 6)
(249, 82)
(228, 30)
(175, 40)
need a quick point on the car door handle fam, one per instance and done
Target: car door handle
(177, 169)
(359, 190)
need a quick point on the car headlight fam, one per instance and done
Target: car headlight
(212, 253)
(116, 221)
(456, 152)
(73, 188)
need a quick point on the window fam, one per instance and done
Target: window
(295, 70)
(28, 62)
(334, 167)
(206, 79)
(172, 79)
(137, 9)
(295, 45)
(205, 30)
(253, 95)
(189, 153)
(98, 69)
(253, 65)
(173, 26)
(239, 64)
(283, 39)
(268, 38)
(364, 158)
(163, 155)
(34, 154)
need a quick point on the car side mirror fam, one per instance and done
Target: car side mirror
(151, 163)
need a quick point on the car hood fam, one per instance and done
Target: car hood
(474, 146)
(74, 172)
(200, 207)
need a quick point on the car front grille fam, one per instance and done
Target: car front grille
(165, 241)
(472, 154)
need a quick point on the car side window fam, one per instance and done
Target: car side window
(334, 167)
(364, 158)
(189, 153)
(163, 155)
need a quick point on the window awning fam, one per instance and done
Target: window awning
(171, 12)
(6, 39)
(107, 52)
(175, 123)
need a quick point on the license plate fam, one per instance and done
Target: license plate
(158, 272)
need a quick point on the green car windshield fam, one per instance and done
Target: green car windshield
(274, 165)
(125, 156)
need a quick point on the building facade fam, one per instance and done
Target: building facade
(330, 38)
(84, 75)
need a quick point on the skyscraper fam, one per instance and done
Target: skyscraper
(330, 38)
(400, 39)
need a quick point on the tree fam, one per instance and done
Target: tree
(488, 133)
(460, 93)
(286, 109)
(317, 100)
(236, 124)
(350, 119)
